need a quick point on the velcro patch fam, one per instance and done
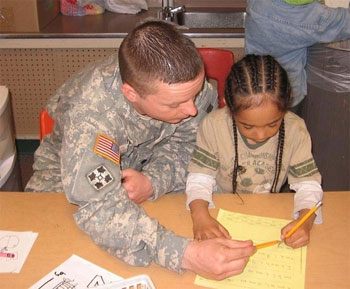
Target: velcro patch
(99, 177)
(107, 148)
(209, 108)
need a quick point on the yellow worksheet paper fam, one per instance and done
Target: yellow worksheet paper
(275, 267)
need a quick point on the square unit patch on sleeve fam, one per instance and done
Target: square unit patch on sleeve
(99, 177)
(107, 148)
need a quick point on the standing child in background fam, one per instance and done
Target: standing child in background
(286, 28)
(252, 146)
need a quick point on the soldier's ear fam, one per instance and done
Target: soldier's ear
(130, 93)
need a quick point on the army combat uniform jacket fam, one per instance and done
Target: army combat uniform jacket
(98, 133)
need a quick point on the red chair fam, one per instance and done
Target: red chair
(46, 124)
(217, 64)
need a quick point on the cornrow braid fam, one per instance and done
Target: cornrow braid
(279, 155)
(236, 84)
(241, 87)
(270, 73)
(235, 168)
(253, 68)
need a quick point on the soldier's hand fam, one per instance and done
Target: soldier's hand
(137, 185)
(217, 258)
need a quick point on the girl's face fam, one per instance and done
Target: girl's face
(259, 123)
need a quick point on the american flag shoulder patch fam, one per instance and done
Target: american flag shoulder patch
(107, 148)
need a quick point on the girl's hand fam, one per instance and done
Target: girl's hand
(204, 225)
(300, 237)
(209, 228)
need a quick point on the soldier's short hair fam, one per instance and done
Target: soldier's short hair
(157, 50)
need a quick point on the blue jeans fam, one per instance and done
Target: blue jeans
(285, 31)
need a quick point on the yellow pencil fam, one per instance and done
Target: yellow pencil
(267, 244)
(296, 227)
(303, 219)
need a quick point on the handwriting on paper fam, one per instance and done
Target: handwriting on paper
(276, 267)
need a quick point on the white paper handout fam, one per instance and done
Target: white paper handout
(14, 249)
(76, 273)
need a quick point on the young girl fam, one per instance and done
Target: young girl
(252, 146)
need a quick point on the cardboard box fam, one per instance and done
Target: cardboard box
(27, 15)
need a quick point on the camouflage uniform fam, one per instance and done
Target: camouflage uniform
(90, 108)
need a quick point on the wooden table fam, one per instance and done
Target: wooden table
(50, 215)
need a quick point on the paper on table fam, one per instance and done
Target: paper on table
(76, 273)
(17, 243)
(274, 267)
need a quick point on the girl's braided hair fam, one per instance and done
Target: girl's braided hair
(252, 82)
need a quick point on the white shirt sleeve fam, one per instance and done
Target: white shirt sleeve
(307, 194)
(200, 186)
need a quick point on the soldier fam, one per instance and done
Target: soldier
(124, 132)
